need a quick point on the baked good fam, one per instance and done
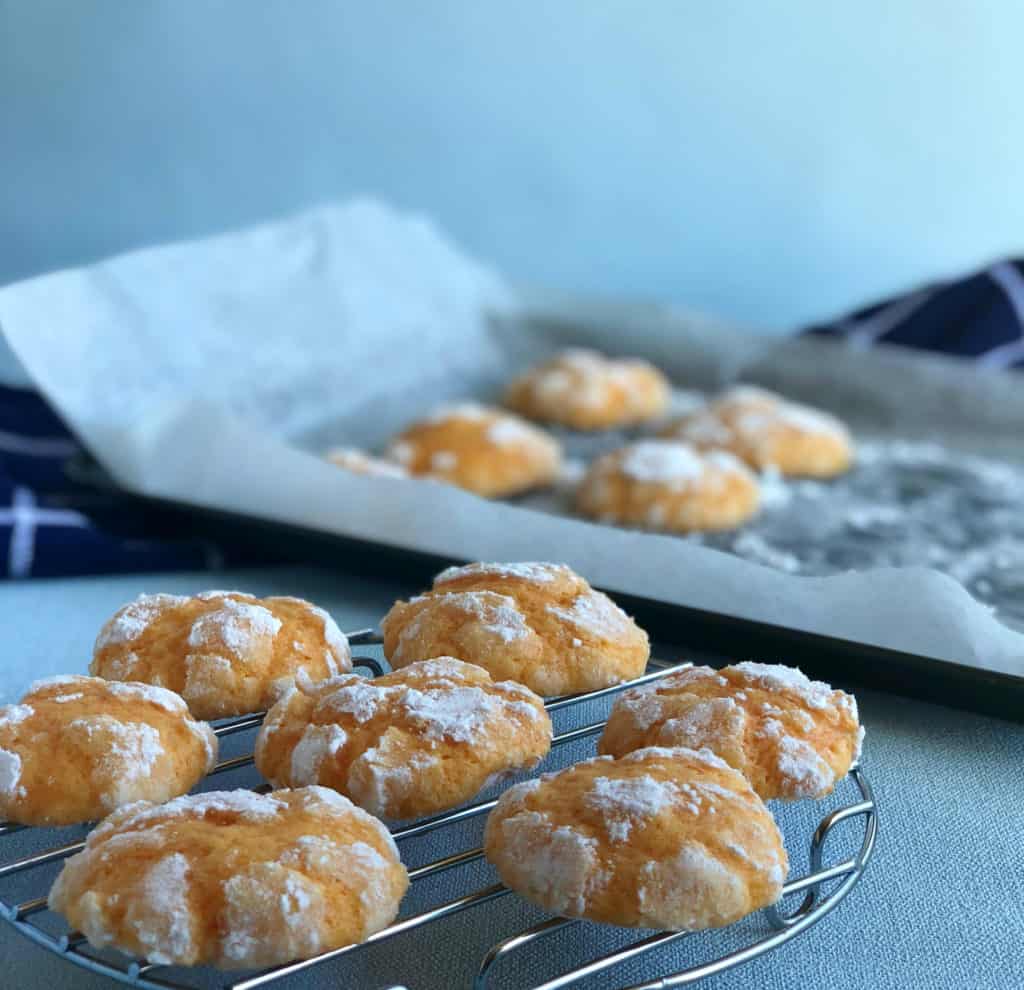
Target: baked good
(585, 390)
(539, 624)
(486, 451)
(789, 736)
(233, 879)
(767, 431)
(662, 484)
(662, 838)
(359, 462)
(75, 748)
(225, 652)
(410, 743)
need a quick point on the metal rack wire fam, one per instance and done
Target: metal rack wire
(816, 903)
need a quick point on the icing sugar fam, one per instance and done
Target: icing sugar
(361, 463)
(402, 452)
(238, 625)
(662, 461)
(13, 714)
(702, 755)
(527, 571)
(316, 744)
(134, 691)
(704, 428)
(357, 697)
(626, 802)
(510, 431)
(560, 863)
(498, 614)
(443, 460)
(60, 680)
(459, 714)
(248, 805)
(130, 622)
(800, 764)
(10, 772)
(594, 613)
(162, 918)
(776, 677)
(338, 654)
(714, 722)
(459, 410)
(685, 884)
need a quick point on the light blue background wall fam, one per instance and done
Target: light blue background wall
(769, 162)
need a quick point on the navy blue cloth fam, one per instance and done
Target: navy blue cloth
(52, 525)
(979, 317)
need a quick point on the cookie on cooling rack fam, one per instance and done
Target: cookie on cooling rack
(767, 431)
(411, 743)
(359, 462)
(585, 390)
(233, 879)
(225, 652)
(539, 624)
(662, 838)
(789, 736)
(662, 484)
(483, 450)
(76, 748)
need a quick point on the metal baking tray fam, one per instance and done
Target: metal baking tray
(24, 882)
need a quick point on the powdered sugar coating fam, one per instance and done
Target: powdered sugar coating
(130, 622)
(631, 801)
(162, 918)
(526, 571)
(662, 462)
(560, 864)
(510, 431)
(317, 743)
(776, 677)
(13, 714)
(237, 625)
(359, 462)
(10, 772)
(595, 614)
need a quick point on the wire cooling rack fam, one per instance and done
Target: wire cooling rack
(31, 917)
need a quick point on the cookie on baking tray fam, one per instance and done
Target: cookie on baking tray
(536, 623)
(359, 462)
(661, 838)
(76, 748)
(789, 736)
(483, 450)
(585, 390)
(411, 743)
(233, 879)
(225, 652)
(766, 430)
(661, 484)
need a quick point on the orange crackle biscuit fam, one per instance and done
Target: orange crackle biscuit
(662, 838)
(483, 450)
(661, 484)
(585, 390)
(75, 748)
(536, 623)
(766, 430)
(225, 652)
(417, 741)
(233, 879)
(789, 736)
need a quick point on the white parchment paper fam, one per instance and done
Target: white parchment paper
(214, 371)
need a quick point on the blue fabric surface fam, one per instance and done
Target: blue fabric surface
(941, 905)
(50, 524)
(980, 316)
